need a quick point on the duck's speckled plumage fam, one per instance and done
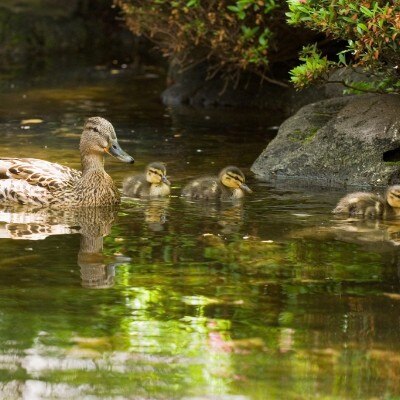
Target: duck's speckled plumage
(34, 182)
(152, 183)
(228, 185)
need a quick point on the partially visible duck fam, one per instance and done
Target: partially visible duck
(228, 185)
(152, 183)
(371, 205)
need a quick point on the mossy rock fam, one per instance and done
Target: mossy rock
(344, 141)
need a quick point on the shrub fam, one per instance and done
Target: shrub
(233, 36)
(264, 36)
(371, 31)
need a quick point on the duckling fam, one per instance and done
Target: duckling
(40, 183)
(153, 183)
(228, 185)
(370, 205)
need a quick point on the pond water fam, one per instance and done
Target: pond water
(269, 298)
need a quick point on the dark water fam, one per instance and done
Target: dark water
(271, 298)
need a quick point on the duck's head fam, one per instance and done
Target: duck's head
(98, 137)
(233, 178)
(157, 173)
(393, 196)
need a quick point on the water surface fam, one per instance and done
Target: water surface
(170, 299)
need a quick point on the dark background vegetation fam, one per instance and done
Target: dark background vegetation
(279, 41)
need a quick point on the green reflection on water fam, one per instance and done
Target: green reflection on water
(169, 299)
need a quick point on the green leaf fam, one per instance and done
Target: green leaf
(233, 8)
(362, 26)
(342, 58)
(366, 11)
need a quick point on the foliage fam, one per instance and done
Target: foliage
(241, 35)
(314, 67)
(371, 30)
(254, 35)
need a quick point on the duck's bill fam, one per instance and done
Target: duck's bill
(116, 151)
(244, 187)
(165, 180)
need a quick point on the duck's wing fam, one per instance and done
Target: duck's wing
(38, 172)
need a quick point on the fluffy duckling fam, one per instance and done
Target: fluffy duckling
(228, 185)
(370, 205)
(153, 183)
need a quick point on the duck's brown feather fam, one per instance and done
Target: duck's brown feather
(39, 172)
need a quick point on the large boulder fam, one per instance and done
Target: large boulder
(343, 141)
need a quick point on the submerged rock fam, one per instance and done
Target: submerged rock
(343, 141)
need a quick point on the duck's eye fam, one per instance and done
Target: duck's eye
(96, 129)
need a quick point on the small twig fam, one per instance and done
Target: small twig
(273, 81)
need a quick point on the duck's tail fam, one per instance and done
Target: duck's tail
(14, 191)
(5, 164)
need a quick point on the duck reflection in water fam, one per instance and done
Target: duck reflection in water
(372, 234)
(92, 223)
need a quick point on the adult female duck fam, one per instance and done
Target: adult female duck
(41, 183)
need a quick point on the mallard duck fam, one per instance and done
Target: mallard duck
(371, 205)
(152, 183)
(35, 182)
(228, 185)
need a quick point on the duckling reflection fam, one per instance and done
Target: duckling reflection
(373, 235)
(154, 210)
(155, 213)
(91, 223)
(228, 216)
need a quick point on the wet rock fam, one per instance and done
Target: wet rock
(343, 141)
